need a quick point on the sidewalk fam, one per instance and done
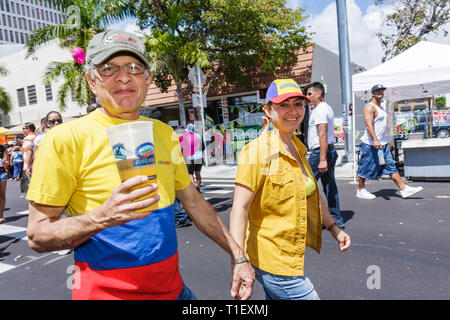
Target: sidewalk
(343, 171)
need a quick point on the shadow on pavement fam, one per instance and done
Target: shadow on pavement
(347, 215)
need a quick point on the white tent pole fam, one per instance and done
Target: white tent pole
(354, 135)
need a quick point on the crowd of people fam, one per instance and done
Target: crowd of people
(78, 201)
(17, 158)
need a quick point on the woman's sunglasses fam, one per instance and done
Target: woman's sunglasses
(54, 121)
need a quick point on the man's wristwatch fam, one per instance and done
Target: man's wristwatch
(240, 260)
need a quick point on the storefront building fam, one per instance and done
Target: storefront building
(241, 108)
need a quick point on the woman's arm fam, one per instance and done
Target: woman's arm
(341, 237)
(243, 198)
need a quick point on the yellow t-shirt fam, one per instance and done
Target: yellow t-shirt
(75, 167)
(282, 219)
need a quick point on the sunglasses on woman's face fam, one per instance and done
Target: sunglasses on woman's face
(55, 121)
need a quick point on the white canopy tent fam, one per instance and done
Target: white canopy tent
(419, 72)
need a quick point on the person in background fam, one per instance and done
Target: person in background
(323, 154)
(52, 119)
(9, 166)
(374, 144)
(192, 147)
(3, 182)
(92, 107)
(17, 161)
(277, 209)
(181, 217)
(29, 132)
(40, 134)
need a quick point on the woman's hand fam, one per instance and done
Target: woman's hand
(342, 238)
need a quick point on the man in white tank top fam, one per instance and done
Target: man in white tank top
(374, 147)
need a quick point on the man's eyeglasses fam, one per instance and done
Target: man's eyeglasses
(109, 69)
(54, 121)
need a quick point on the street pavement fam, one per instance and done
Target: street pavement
(399, 248)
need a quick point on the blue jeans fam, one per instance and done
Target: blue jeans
(328, 181)
(180, 215)
(369, 167)
(186, 294)
(278, 287)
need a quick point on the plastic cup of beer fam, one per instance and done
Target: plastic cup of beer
(134, 152)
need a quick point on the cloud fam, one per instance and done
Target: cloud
(129, 25)
(365, 47)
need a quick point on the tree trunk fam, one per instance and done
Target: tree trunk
(181, 105)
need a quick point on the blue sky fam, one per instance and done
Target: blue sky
(365, 20)
(317, 6)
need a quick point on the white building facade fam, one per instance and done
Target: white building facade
(31, 99)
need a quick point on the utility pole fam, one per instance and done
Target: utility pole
(346, 76)
(198, 79)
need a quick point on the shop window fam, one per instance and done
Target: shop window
(419, 107)
(242, 100)
(405, 108)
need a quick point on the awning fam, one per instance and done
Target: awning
(16, 130)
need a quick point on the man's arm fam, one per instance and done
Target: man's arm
(207, 220)
(369, 116)
(27, 156)
(323, 141)
(48, 230)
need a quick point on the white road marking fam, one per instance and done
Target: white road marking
(13, 231)
(53, 260)
(219, 191)
(5, 267)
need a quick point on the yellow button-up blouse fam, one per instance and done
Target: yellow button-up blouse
(282, 219)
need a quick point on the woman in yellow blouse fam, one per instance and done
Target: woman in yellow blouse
(277, 208)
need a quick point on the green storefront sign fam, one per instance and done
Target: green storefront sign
(243, 135)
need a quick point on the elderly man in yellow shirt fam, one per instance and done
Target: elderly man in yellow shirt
(276, 195)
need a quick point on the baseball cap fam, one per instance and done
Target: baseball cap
(282, 89)
(376, 87)
(104, 44)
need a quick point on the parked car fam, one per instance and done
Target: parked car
(439, 131)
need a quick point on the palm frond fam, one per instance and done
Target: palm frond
(64, 91)
(3, 71)
(57, 69)
(42, 36)
(5, 101)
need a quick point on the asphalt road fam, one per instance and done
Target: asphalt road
(400, 250)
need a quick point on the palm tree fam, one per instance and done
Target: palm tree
(5, 100)
(170, 58)
(84, 19)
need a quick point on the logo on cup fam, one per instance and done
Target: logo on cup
(119, 151)
(145, 150)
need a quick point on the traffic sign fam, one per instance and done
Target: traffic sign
(194, 76)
